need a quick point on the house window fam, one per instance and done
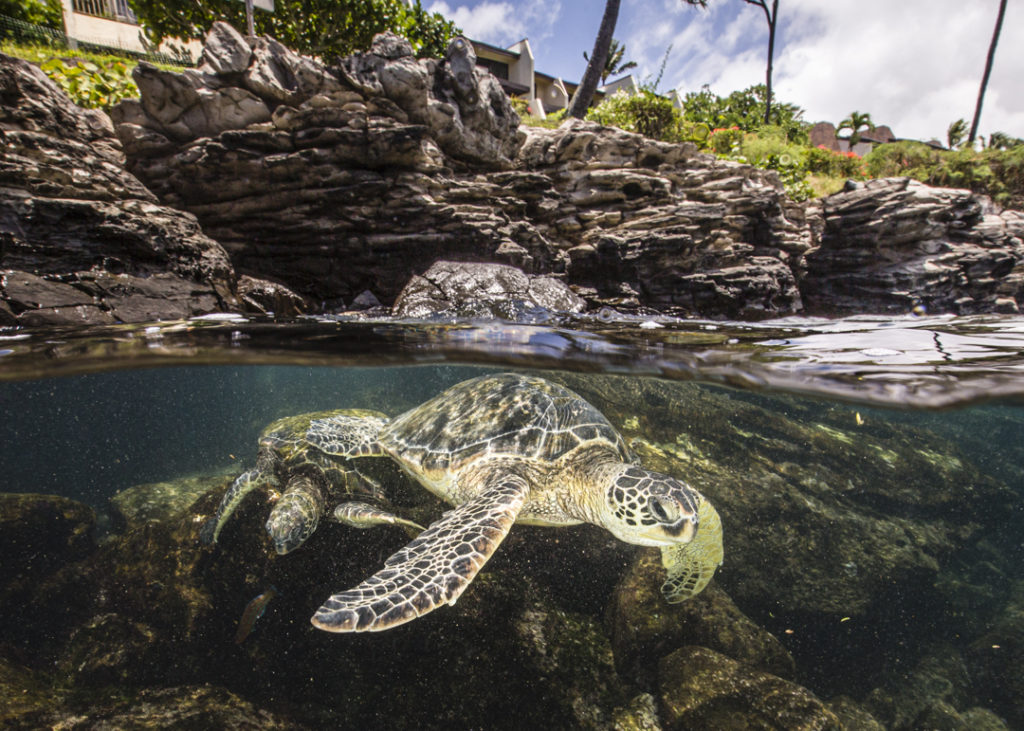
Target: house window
(497, 68)
(112, 9)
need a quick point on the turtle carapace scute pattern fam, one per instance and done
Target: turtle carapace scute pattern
(504, 449)
(310, 478)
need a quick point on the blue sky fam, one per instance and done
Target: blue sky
(912, 64)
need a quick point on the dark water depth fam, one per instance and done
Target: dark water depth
(869, 475)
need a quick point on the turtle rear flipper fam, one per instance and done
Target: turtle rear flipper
(691, 565)
(435, 568)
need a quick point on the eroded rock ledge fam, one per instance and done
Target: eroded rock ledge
(81, 239)
(335, 181)
(263, 180)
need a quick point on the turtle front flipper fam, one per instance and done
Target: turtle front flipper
(361, 515)
(691, 565)
(435, 568)
(242, 486)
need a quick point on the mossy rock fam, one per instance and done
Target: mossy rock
(22, 692)
(835, 510)
(164, 502)
(703, 689)
(38, 535)
(996, 658)
(187, 707)
(645, 628)
(852, 715)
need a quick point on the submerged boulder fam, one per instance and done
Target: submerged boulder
(39, 534)
(645, 628)
(702, 689)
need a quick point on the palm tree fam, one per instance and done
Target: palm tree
(596, 63)
(614, 66)
(955, 133)
(854, 122)
(988, 70)
(599, 57)
(772, 16)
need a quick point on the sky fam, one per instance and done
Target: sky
(914, 65)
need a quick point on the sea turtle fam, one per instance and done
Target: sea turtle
(311, 477)
(503, 449)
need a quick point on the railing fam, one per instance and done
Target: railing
(22, 32)
(110, 9)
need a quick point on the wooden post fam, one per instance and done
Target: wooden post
(248, 19)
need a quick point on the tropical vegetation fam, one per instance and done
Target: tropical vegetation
(328, 29)
(733, 128)
(615, 64)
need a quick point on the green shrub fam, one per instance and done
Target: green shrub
(41, 12)
(725, 140)
(771, 142)
(835, 164)
(745, 110)
(645, 113)
(993, 172)
(912, 159)
(90, 84)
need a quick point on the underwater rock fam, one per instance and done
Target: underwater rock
(841, 544)
(22, 692)
(39, 534)
(645, 629)
(702, 689)
(200, 706)
(938, 684)
(852, 715)
(82, 241)
(896, 244)
(468, 289)
(995, 659)
(108, 650)
(640, 715)
(161, 501)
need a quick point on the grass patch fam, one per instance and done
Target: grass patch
(40, 54)
(824, 185)
(92, 80)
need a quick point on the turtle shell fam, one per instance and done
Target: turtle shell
(506, 415)
(286, 439)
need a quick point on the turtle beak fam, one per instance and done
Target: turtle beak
(684, 530)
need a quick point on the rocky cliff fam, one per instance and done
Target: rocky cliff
(81, 239)
(343, 184)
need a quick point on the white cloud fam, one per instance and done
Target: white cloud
(502, 23)
(912, 64)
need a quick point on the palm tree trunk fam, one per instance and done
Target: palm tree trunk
(771, 16)
(772, 19)
(598, 57)
(988, 70)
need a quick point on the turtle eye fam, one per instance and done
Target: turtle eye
(664, 509)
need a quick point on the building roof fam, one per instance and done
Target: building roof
(494, 50)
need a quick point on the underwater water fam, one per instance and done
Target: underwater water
(868, 473)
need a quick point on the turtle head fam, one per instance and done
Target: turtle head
(295, 515)
(651, 509)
